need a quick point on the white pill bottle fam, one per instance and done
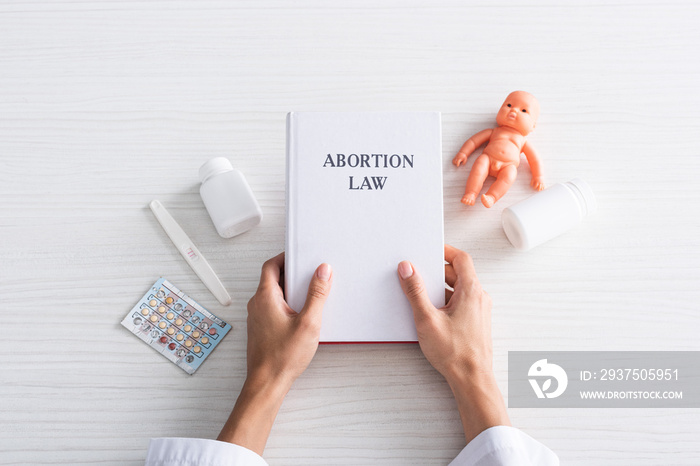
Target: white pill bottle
(548, 213)
(228, 198)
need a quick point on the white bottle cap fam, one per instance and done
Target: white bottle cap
(213, 167)
(585, 194)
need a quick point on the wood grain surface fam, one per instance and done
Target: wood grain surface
(106, 105)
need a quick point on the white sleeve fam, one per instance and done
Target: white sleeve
(200, 452)
(504, 445)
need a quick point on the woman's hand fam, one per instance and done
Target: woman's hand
(456, 340)
(282, 342)
(281, 345)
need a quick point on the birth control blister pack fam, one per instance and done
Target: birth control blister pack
(175, 325)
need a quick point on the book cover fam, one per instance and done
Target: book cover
(364, 192)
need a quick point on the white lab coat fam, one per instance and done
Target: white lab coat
(496, 446)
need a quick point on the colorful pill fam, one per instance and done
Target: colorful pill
(170, 316)
(178, 321)
(188, 343)
(205, 340)
(162, 325)
(172, 346)
(144, 311)
(179, 337)
(163, 339)
(169, 300)
(187, 328)
(154, 318)
(152, 303)
(171, 331)
(161, 309)
(196, 349)
(212, 331)
(195, 334)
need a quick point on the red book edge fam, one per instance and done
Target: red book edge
(366, 342)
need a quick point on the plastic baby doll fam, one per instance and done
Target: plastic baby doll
(501, 156)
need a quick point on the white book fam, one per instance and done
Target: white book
(364, 192)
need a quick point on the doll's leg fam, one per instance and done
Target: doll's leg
(480, 170)
(499, 187)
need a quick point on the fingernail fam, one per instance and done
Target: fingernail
(405, 269)
(324, 272)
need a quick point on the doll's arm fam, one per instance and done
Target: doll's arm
(535, 166)
(471, 145)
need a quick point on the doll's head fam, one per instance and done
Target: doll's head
(519, 111)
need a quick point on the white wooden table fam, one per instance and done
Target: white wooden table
(105, 106)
